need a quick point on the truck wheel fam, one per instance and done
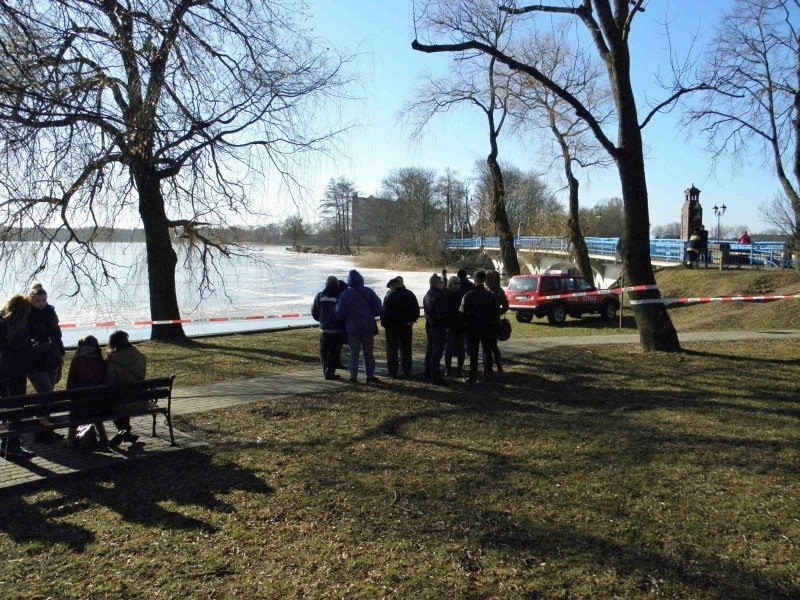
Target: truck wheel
(609, 311)
(558, 315)
(524, 317)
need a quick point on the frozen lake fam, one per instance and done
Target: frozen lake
(277, 283)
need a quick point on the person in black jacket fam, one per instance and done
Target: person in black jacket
(16, 359)
(464, 283)
(455, 329)
(703, 233)
(493, 285)
(331, 337)
(45, 332)
(400, 312)
(481, 311)
(435, 306)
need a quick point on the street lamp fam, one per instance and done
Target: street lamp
(718, 212)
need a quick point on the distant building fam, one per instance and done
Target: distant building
(371, 220)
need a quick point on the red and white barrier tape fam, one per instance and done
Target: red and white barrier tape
(148, 323)
(673, 301)
(639, 288)
(634, 288)
(578, 294)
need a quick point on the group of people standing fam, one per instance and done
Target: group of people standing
(461, 318)
(31, 349)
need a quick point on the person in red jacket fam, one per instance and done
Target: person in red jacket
(87, 369)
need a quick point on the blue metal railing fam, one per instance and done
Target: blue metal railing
(770, 254)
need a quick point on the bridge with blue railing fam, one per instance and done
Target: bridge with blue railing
(604, 253)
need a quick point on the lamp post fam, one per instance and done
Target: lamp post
(718, 212)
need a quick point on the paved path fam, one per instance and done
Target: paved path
(59, 459)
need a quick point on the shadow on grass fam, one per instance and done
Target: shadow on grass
(778, 362)
(137, 493)
(588, 323)
(265, 352)
(720, 577)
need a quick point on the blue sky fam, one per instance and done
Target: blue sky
(389, 72)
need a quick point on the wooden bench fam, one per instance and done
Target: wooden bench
(33, 413)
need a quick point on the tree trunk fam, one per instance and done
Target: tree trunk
(656, 331)
(500, 218)
(573, 222)
(575, 234)
(161, 257)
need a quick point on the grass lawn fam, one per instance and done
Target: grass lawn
(588, 472)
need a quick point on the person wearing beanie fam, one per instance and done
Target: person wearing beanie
(400, 312)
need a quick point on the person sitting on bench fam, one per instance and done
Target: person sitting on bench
(88, 369)
(124, 364)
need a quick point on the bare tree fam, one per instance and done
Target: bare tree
(754, 103)
(531, 206)
(608, 25)
(167, 111)
(335, 209)
(417, 208)
(670, 231)
(579, 75)
(780, 213)
(487, 86)
(452, 191)
(294, 228)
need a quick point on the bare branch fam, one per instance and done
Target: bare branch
(580, 110)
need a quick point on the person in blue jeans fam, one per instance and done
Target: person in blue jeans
(358, 306)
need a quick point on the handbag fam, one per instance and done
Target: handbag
(504, 330)
(87, 437)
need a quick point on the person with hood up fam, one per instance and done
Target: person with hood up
(358, 306)
(16, 360)
(400, 312)
(331, 336)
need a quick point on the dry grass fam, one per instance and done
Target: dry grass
(587, 473)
